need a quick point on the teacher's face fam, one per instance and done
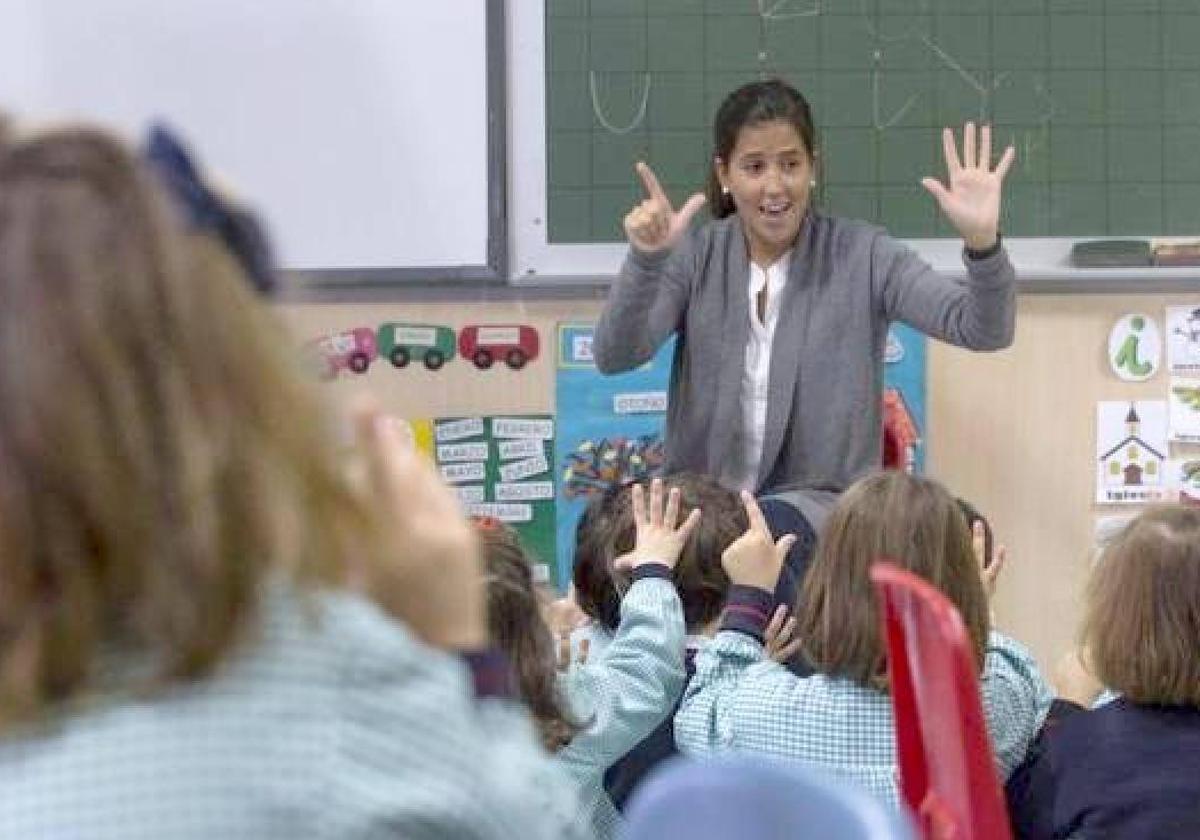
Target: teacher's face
(769, 176)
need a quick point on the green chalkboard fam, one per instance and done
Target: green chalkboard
(1100, 97)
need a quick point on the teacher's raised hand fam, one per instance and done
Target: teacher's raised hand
(972, 200)
(654, 225)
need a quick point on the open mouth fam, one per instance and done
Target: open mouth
(775, 209)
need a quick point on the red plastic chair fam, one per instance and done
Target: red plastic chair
(947, 772)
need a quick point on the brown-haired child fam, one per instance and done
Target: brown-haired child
(1131, 767)
(841, 716)
(625, 690)
(702, 585)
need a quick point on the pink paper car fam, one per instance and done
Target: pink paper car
(352, 350)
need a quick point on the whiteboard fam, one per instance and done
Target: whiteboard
(360, 128)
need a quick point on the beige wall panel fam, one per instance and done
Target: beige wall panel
(1014, 432)
(459, 388)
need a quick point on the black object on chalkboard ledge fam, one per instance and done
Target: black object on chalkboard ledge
(1112, 253)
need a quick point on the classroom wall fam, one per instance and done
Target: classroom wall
(1015, 433)
(1012, 431)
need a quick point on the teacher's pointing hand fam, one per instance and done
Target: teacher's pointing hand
(654, 225)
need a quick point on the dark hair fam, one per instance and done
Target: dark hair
(1141, 624)
(596, 590)
(892, 515)
(698, 576)
(973, 515)
(516, 626)
(753, 104)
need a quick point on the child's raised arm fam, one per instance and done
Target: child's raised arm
(627, 691)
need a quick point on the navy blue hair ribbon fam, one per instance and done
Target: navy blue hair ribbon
(238, 229)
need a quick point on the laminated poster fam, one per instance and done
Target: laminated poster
(1183, 399)
(1183, 340)
(1131, 452)
(1135, 348)
(609, 429)
(500, 468)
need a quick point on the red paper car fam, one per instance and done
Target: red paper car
(483, 344)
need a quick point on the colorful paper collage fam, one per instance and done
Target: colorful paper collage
(609, 428)
(904, 394)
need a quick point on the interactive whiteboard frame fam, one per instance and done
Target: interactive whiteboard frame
(372, 134)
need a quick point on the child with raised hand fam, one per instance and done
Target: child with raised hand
(841, 717)
(620, 694)
(1129, 768)
(594, 586)
(702, 586)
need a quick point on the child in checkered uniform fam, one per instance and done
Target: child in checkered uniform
(841, 718)
(595, 711)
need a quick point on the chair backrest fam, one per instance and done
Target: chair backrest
(756, 799)
(947, 773)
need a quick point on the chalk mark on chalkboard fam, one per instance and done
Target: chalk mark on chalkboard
(1038, 139)
(972, 81)
(897, 115)
(778, 10)
(770, 11)
(638, 117)
(768, 15)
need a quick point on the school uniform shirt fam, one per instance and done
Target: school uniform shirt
(741, 470)
(846, 281)
(597, 636)
(741, 701)
(1122, 770)
(626, 775)
(625, 692)
(330, 720)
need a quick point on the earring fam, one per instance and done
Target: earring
(724, 190)
(812, 183)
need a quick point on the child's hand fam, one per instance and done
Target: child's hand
(564, 651)
(988, 572)
(563, 615)
(754, 559)
(431, 577)
(658, 540)
(778, 641)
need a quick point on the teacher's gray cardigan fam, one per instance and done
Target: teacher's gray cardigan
(847, 281)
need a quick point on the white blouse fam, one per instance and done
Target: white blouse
(741, 469)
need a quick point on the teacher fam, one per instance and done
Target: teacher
(781, 312)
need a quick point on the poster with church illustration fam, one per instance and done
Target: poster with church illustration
(1131, 452)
